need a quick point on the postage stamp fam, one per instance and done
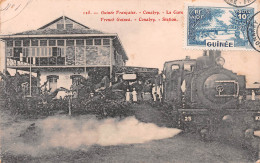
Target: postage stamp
(209, 27)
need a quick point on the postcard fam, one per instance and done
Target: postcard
(129, 81)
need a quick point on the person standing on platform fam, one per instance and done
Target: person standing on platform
(154, 92)
(159, 92)
(253, 95)
(139, 88)
(134, 93)
(127, 95)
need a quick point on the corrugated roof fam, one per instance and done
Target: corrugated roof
(44, 30)
(59, 31)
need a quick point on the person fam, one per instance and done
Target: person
(127, 96)
(159, 93)
(253, 95)
(134, 93)
(139, 88)
(154, 94)
(240, 98)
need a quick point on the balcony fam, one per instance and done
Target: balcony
(36, 61)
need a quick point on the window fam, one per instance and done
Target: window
(97, 41)
(26, 42)
(9, 43)
(69, 26)
(106, 41)
(89, 42)
(76, 79)
(54, 51)
(25, 52)
(17, 53)
(188, 67)
(18, 43)
(79, 42)
(43, 42)
(69, 42)
(35, 42)
(175, 67)
(60, 26)
(52, 42)
(60, 42)
(52, 79)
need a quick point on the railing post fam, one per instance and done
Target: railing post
(30, 79)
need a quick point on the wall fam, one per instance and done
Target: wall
(63, 81)
(98, 55)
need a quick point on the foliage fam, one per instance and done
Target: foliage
(240, 25)
(211, 16)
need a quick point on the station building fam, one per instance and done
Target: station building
(63, 52)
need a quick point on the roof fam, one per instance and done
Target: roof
(51, 30)
(59, 31)
(62, 17)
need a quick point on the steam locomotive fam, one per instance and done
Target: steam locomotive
(209, 98)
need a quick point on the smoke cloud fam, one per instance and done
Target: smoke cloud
(77, 132)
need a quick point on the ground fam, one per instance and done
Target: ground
(183, 147)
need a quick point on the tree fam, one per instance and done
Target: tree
(239, 22)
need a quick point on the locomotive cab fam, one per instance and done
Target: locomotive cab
(174, 72)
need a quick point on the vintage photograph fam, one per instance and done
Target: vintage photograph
(140, 81)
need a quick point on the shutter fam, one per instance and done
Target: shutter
(45, 52)
(29, 52)
(50, 51)
(62, 52)
(33, 52)
(42, 52)
(38, 51)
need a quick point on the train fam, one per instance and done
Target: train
(210, 99)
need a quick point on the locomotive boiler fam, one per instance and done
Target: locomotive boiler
(209, 99)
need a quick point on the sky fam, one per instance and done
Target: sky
(147, 44)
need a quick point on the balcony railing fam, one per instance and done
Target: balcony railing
(16, 62)
(37, 61)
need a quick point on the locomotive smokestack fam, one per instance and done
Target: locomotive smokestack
(205, 53)
(213, 54)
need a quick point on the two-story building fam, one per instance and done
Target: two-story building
(63, 51)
